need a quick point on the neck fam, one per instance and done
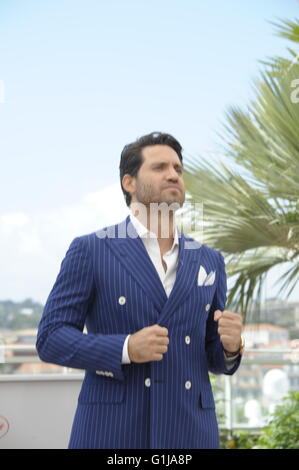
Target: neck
(160, 222)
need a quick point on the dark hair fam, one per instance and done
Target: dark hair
(131, 157)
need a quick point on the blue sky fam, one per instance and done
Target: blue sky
(84, 77)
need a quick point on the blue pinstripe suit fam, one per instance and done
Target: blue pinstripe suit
(138, 405)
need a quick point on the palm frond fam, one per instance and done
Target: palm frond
(251, 205)
(287, 29)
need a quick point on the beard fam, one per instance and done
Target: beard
(153, 205)
(148, 194)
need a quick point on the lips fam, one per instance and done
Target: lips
(172, 187)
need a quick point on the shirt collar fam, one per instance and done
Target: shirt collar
(143, 231)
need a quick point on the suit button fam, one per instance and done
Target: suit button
(147, 382)
(187, 384)
(122, 300)
(208, 307)
(187, 339)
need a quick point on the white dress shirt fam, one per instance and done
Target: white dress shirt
(167, 277)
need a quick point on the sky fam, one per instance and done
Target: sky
(79, 79)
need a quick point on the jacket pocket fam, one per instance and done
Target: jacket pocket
(106, 390)
(206, 399)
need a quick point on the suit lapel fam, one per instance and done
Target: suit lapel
(131, 252)
(186, 276)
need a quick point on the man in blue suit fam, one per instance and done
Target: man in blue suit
(154, 309)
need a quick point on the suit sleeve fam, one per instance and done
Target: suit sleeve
(214, 350)
(60, 337)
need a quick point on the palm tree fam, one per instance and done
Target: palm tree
(251, 208)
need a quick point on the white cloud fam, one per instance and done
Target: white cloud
(34, 244)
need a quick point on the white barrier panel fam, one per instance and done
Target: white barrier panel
(36, 412)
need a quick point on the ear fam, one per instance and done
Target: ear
(128, 183)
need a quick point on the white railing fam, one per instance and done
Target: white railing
(243, 400)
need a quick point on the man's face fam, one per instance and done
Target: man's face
(160, 170)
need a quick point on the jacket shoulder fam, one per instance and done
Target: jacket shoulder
(207, 250)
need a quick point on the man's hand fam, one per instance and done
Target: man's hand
(148, 344)
(229, 328)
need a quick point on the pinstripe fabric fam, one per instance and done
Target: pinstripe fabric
(165, 404)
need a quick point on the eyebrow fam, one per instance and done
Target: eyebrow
(165, 163)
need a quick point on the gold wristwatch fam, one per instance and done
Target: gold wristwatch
(240, 350)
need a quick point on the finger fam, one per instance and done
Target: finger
(161, 349)
(163, 340)
(158, 357)
(225, 338)
(162, 331)
(231, 315)
(217, 315)
(226, 332)
(228, 323)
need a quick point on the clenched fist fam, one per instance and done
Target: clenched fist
(148, 344)
(229, 329)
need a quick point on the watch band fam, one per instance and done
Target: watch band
(240, 350)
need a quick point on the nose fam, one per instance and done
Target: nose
(172, 175)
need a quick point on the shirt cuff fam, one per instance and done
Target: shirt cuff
(125, 356)
(230, 361)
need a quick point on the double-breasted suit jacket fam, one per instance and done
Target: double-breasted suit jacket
(108, 283)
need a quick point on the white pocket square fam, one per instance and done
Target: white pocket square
(205, 279)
